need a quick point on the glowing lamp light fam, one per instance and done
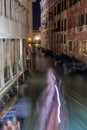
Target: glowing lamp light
(37, 38)
(29, 45)
(29, 39)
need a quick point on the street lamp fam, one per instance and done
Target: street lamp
(29, 40)
(29, 49)
(37, 39)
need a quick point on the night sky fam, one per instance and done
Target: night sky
(36, 15)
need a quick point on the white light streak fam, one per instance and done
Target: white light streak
(59, 104)
(58, 100)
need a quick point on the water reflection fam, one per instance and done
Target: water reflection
(50, 112)
(75, 90)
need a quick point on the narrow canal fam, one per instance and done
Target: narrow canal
(74, 86)
(75, 89)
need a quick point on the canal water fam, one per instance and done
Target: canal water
(74, 84)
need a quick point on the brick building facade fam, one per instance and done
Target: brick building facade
(64, 26)
(77, 29)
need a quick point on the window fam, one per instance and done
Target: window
(58, 8)
(6, 67)
(13, 52)
(64, 25)
(75, 1)
(19, 57)
(82, 19)
(76, 20)
(61, 38)
(64, 4)
(64, 38)
(10, 10)
(13, 57)
(86, 18)
(74, 46)
(54, 11)
(6, 74)
(5, 53)
(18, 49)
(70, 45)
(58, 25)
(72, 2)
(1, 7)
(54, 25)
(50, 16)
(4, 7)
(84, 46)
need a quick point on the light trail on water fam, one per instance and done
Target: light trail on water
(58, 100)
(59, 104)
